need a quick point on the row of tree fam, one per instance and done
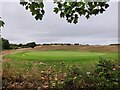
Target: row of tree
(6, 45)
(67, 44)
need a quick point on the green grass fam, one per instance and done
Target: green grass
(32, 68)
(54, 58)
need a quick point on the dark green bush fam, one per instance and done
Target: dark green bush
(107, 74)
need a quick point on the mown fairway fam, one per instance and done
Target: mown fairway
(52, 58)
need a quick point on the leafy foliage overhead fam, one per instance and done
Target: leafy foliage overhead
(71, 11)
(36, 8)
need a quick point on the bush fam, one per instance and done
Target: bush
(106, 75)
(31, 44)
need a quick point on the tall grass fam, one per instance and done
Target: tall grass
(105, 75)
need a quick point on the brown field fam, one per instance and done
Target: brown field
(90, 48)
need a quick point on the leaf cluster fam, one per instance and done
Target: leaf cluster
(73, 10)
(36, 8)
(1, 23)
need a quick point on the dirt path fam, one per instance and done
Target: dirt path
(6, 52)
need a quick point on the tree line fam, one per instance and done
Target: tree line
(63, 44)
(6, 45)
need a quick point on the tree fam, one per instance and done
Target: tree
(76, 44)
(31, 44)
(20, 45)
(71, 11)
(5, 44)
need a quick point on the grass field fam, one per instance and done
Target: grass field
(54, 58)
(33, 68)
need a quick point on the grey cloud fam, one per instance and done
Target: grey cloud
(21, 27)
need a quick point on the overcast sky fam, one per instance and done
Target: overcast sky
(21, 27)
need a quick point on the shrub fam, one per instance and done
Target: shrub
(106, 75)
(31, 44)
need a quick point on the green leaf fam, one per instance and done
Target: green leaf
(56, 10)
(106, 5)
(87, 16)
(36, 17)
(42, 11)
(40, 16)
(41, 5)
(2, 24)
(101, 10)
(59, 5)
(23, 3)
(69, 20)
(62, 15)
(34, 12)
(26, 7)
